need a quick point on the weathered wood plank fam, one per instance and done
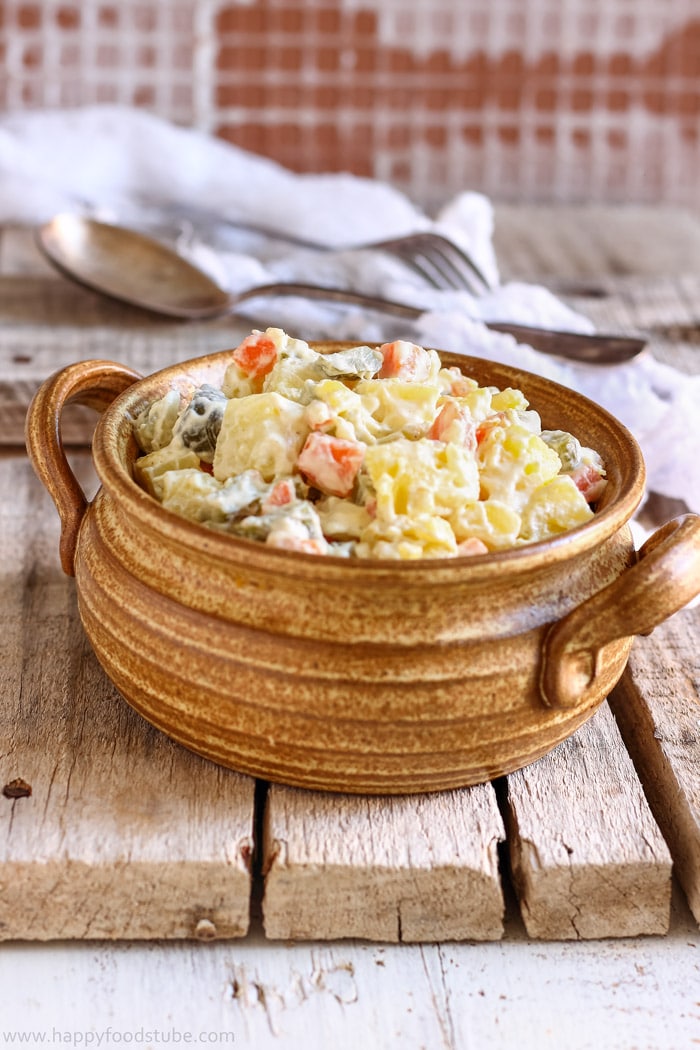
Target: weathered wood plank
(587, 857)
(657, 706)
(412, 868)
(582, 241)
(125, 834)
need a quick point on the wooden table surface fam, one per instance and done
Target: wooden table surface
(559, 906)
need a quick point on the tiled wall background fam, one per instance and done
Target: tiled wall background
(562, 100)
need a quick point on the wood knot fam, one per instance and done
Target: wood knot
(17, 788)
(205, 930)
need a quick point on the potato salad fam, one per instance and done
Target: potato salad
(363, 453)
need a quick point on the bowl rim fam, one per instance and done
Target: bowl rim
(114, 449)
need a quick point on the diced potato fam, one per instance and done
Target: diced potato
(263, 432)
(408, 538)
(420, 477)
(554, 507)
(508, 398)
(513, 463)
(149, 470)
(341, 519)
(494, 523)
(400, 405)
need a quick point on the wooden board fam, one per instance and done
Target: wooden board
(657, 705)
(421, 868)
(124, 834)
(127, 835)
(587, 857)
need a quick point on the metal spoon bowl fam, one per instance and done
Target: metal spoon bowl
(131, 267)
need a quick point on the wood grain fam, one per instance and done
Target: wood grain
(657, 705)
(587, 857)
(630, 268)
(125, 834)
(421, 868)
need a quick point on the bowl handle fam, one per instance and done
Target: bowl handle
(92, 383)
(665, 577)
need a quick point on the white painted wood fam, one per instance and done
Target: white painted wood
(617, 995)
(411, 868)
(588, 859)
(657, 705)
(125, 834)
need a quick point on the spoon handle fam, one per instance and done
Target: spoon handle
(598, 349)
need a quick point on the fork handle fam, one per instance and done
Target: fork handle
(598, 349)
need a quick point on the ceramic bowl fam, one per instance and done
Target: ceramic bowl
(359, 676)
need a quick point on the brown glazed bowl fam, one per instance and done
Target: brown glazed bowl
(376, 677)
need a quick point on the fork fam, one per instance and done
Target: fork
(439, 261)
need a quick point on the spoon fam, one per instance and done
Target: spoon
(134, 268)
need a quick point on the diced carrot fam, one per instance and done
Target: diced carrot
(404, 360)
(256, 355)
(470, 546)
(281, 493)
(330, 463)
(283, 541)
(460, 385)
(486, 426)
(453, 424)
(589, 482)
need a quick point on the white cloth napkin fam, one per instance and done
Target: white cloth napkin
(124, 165)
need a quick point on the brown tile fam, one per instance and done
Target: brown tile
(67, 17)
(545, 134)
(688, 103)
(29, 16)
(398, 136)
(144, 95)
(435, 136)
(617, 101)
(620, 64)
(107, 56)
(581, 100)
(546, 100)
(32, 56)
(616, 138)
(508, 97)
(245, 95)
(145, 56)
(548, 65)
(145, 16)
(241, 57)
(655, 101)
(584, 64)
(364, 24)
(398, 61)
(108, 16)
(510, 64)
(283, 19)
(473, 134)
(241, 18)
(328, 20)
(289, 96)
(288, 58)
(510, 136)
(327, 59)
(437, 99)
